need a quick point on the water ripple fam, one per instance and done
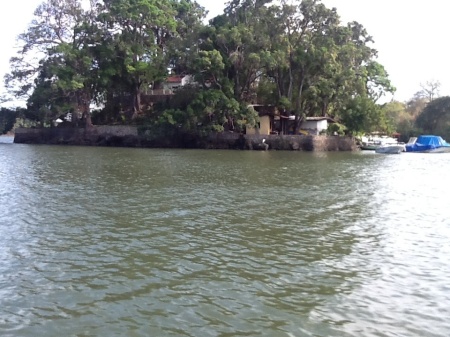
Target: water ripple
(129, 242)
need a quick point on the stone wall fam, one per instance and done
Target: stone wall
(301, 142)
(95, 136)
(128, 136)
(117, 130)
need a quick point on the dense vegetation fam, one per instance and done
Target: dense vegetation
(295, 55)
(7, 119)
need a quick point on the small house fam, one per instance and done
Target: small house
(315, 125)
(177, 81)
(169, 86)
(271, 121)
(266, 125)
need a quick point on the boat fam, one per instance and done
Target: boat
(427, 143)
(382, 144)
(391, 148)
(371, 146)
(370, 143)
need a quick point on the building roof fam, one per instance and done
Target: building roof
(312, 119)
(320, 118)
(263, 110)
(174, 79)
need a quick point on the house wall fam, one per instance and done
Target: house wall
(182, 82)
(264, 122)
(171, 86)
(159, 92)
(315, 125)
(264, 127)
(188, 79)
(250, 131)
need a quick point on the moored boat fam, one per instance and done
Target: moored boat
(382, 144)
(370, 143)
(369, 146)
(391, 148)
(427, 143)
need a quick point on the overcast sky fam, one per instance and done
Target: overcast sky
(410, 36)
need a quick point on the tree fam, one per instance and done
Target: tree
(395, 113)
(7, 119)
(295, 54)
(377, 81)
(363, 115)
(184, 45)
(61, 37)
(46, 101)
(435, 118)
(53, 24)
(430, 90)
(318, 65)
(139, 32)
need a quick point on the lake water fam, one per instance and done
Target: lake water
(147, 242)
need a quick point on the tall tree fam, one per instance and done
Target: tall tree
(184, 45)
(300, 48)
(139, 32)
(430, 90)
(53, 24)
(61, 37)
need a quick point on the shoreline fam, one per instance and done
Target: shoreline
(129, 136)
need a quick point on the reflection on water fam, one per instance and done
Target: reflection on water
(6, 139)
(141, 242)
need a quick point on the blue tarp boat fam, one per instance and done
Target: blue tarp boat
(427, 143)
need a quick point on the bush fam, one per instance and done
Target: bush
(336, 128)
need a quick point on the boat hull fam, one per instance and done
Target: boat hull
(390, 149)
(369, 147)
(444, 149)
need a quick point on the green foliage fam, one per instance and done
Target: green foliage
(284, 103)
(7, 119)
(363, 115)
(403, 116)
(435, 118)
(22, 122)
(200, 112)
(267, 92)
(407, 129)
(139, 32)
(336, 129)
(377, 80)
(294, 55)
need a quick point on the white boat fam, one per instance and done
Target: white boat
(375, 142)
(391, 148)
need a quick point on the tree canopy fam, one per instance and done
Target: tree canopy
(435, 118)
(296, 55)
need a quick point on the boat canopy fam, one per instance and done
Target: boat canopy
(427, 142)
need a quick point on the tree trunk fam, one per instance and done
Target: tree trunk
(87, 115)
(324, 108)
(291, 78)
(298, 121)
(83, 105)
(297, 112)
(136, 103)
(137, 106)
(237, 85)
